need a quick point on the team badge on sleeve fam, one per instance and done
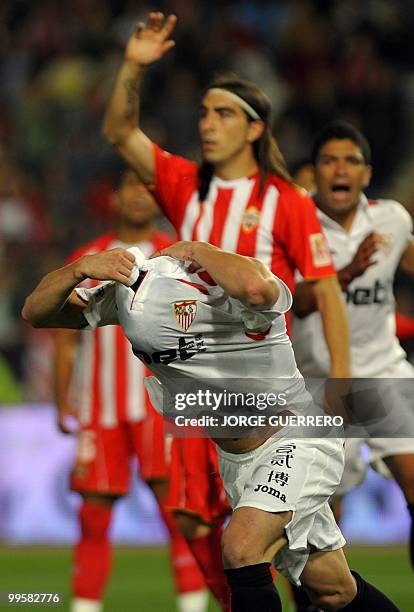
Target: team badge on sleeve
(320, 250)
(185, 313)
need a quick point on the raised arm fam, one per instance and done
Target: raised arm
(243, 278)
(54, 303)
(121, 126)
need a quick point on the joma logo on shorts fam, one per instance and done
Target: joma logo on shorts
(271, 491)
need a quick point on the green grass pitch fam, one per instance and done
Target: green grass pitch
(141, 581)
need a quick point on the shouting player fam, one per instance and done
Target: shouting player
(240, 198)
(369, 241)
(99, 380)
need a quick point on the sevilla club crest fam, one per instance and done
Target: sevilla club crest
(185, 313)
(250, 219)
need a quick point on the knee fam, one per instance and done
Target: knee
(334, 599)
(238, 552)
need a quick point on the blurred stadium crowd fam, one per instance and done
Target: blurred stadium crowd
(316, 59)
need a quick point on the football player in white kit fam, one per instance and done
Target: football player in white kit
(278, 485)
(369, 240)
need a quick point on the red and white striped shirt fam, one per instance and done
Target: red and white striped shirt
(277, 225)
(107, 384)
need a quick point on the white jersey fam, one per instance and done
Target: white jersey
(184, 325)
(375, 349)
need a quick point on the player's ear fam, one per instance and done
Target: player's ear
(256, 129)
(368, 176)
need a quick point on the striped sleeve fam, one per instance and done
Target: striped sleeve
(301, 233)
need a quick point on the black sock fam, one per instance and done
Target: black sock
(369, 598)
(411, 544)
(252, 589)
(301, 599)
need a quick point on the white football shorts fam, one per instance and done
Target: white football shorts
(290, 474)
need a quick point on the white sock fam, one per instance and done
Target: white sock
(78, 604)
(194, 601)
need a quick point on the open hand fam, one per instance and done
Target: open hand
(151, 40)
(363, 258)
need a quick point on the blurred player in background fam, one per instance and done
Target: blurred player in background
(304, 175)
(369, 241)
(242, 199)
(100, 383)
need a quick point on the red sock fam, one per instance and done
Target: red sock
(207, 551)
(93, 553)
(186, 572)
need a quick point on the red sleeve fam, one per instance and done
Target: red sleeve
(162, 240)
(405, 326)
(75, 255)
(176, 180)
(299, 232)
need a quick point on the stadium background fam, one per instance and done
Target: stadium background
(317, 60)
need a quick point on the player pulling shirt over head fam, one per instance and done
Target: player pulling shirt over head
(279, 487)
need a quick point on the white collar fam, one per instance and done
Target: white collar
(363, 209)
(229, 184)
(164, 265)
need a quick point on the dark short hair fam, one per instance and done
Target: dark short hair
(298, 165)
(341, 130)
(118, 175)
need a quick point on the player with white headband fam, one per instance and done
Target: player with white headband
(245, 105)
(270, 478)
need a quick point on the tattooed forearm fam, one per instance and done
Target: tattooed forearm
(122, 114)
(132, 99)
